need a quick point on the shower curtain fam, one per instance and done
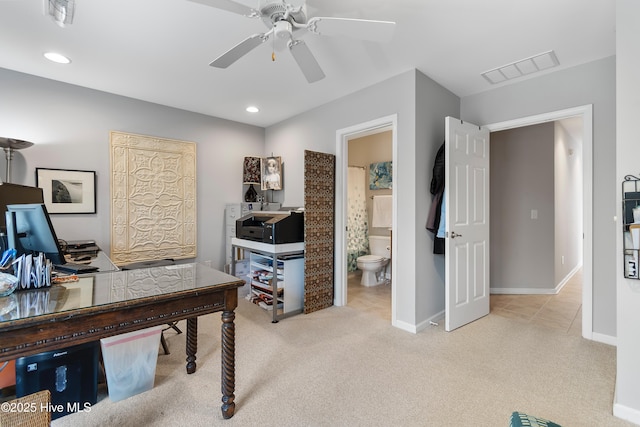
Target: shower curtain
(357, 223)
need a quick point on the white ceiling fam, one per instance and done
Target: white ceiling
(159, 50)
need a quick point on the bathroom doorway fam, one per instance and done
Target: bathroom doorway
(369, 159)
(343, 136)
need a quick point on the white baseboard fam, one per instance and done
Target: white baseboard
(405, 326)
(414, 329)
(626, 413)
(605, 339)
(537, 291)
(522, 291)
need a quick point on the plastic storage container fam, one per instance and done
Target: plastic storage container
(130, 362)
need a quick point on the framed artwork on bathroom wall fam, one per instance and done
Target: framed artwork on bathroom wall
(380, 175)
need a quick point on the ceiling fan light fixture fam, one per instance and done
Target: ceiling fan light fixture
(62, 11)
(282, 30)
(283, 18)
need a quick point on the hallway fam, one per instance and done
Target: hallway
(562, 311)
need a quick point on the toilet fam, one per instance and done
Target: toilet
(373, 265)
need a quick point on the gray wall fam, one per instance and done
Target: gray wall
(522, 180)
(421, 106)
(434, 103)
(531, 169)
(568, 202)
(591, 83)
(70, 126)
(627, 398)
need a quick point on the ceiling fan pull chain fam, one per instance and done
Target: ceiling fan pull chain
(273, 49)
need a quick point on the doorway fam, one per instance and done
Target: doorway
(343, 136)
(390, 122)
(584, 112)
(536, 224)
(369, 221)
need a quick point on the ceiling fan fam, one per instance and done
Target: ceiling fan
(284, 21)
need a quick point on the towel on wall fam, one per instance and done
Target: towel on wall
(382, 211)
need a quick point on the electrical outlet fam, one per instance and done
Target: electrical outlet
(534, 214)
(562, 259)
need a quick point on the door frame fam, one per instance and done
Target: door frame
(586, 112)
(343, 136)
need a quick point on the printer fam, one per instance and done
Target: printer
(271, 227)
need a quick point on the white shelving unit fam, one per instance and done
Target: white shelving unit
(288, 276)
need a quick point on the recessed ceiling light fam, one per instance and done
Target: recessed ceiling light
(252, 109)
(56, 57)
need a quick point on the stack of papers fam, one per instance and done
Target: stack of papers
(33, 271)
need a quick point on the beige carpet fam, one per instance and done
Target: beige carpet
(343, 367)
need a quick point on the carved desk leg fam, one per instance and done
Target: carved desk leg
(192, 344)
(228, 363)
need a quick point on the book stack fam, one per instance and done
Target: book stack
(81, 248)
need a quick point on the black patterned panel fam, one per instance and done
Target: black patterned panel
(319, 214)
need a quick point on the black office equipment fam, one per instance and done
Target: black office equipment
(75, 268)
(30, 231)
(70, 374)
(273, 228)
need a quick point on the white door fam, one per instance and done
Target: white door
(466, 223)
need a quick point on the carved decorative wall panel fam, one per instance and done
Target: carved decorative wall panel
(153, 198)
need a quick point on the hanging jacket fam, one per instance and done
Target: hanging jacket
(437, 181)
(437, 189)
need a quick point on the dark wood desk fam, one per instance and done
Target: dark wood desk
(106, 304)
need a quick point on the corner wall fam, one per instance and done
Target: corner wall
(627, 398)
(421, 106)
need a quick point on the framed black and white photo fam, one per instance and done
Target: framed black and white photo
(67, 191)
(271, 168)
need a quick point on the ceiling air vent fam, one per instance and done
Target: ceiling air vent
(523, 67)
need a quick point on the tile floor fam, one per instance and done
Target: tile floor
(562, 311)
(374, 299)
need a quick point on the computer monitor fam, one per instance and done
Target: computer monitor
(29, 231)
(12, 194)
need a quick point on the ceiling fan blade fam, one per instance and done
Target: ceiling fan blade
(306, 61)
(230, 6)
(363, 29)
(239, 50)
